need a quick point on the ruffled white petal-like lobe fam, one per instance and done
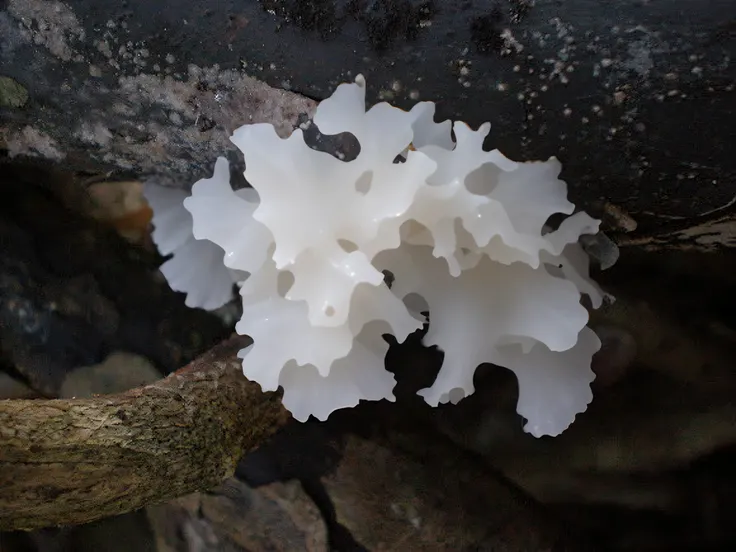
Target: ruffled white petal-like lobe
(467, 156)
(532, 193)
(172, 225)
(482, 308)
(195, 267)
(310, 235)
(225, 217)
(574, 264)
(268, 316)
(358, 376)
(383, 131)
(427, 132)
(553, 386)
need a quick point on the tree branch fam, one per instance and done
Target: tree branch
(74, 461)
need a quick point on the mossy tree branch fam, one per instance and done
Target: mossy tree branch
(74, 461)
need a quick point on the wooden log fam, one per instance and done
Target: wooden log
(74, 461)
(634, 97)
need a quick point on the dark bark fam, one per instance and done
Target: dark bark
(635, 97)
(74, 461)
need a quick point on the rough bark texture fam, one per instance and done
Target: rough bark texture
(73, 461)
(634, 97)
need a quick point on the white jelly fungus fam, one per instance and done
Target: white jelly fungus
(463, 228)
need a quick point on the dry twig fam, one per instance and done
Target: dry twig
(73, 461)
